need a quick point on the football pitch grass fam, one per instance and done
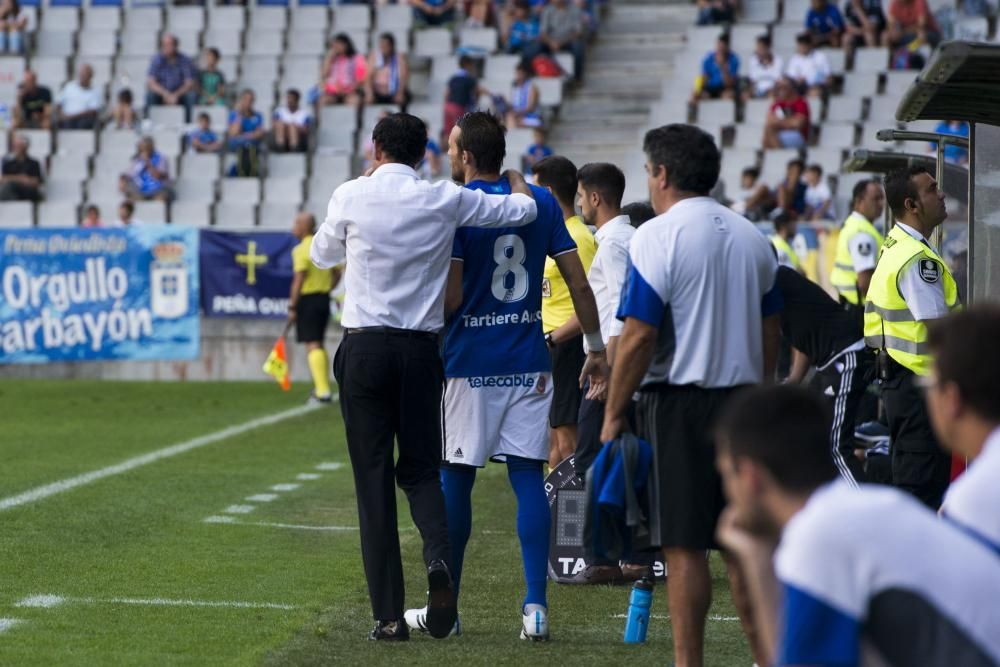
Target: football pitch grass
(241, 548)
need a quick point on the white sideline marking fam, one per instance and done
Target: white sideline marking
(330, 466)
(285, 487)
(308, 476)
(8, 623)
(726, 619)
(262, 498)
(240, 509)
(288, 526)
(41, 601)
(220, 519)
(42, 492)
(159, 602)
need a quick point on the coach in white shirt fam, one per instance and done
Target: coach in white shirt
(963, 400)
(395, 232)
(695, 331)
(79, 102)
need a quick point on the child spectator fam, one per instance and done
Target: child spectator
(123, 116)
(523, 109)
(246, 131)
(343, 73)
(536, 151)
(92, 217)
(211, 82)
(819, 199)
(791, 193)
(291, 124)
(461, 95)
(13, 22)
(808, 67)
(202, 139)
(752, 200)
(824, 23)
(764, 71)
(522, 35)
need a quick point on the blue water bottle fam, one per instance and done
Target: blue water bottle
(637, 619)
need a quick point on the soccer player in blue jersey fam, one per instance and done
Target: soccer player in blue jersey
(499, 386)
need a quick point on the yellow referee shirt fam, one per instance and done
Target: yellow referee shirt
(318, 281)
(557, 305)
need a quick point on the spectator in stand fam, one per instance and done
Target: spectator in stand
(388, 76)
(126, 215)
(245, 134)
(79, 103)
(808, 67)
(911, 24)
(719, 73)
(171, 79)
(764, 71)
(433, 12)
(819, 199)
(523, 29)
(714, 12)
(952, 153)
(202, 139)
(791, 192)
(562, 29)
(149, 175)
(461, 94)
(430, 167)
(864, 25)
(123, 116)
(480, 13)
(34, 104)
(824, 23)
(536, 151)
(522, 110)
(292, 124)
(787, 124)
(753, 200)
(211, 82)
(343, 73)
(13, 23)
(92, 217)
(20, 174)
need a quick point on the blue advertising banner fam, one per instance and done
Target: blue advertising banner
(90, 294)
(246, 274)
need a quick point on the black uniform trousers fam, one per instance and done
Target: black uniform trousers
(390, 387)
(919, 465)
(848, 378)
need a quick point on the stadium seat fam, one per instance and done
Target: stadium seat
(774, 163)
(393, 17)
(144, 20)
(40, 146)
(882, 109)
(63, 190)
(313, 18)
(166, 116)
(317, 207)
(69, 165)
(102, 18)
(350, 17)
(55, 214)
(278, 215)
(264, 42)
(97, 43)
(51, 71)
(432, 42)
(860, 84)
(740, 158)
(153, 212)
(226, 40)
(340, 116)
(549, 91)
(307, 43)
(713, 113)
(194, 187)
(760, 11)
(235, 215)
(837, 59)
(783, 37)
(830, 159)
(258, 67)
(104, 186)
(195, 214)
(61, 18)
(335, 138)
(743, 38)
(185, 19)
(794, 12)
(102, 70)
(263, 91)
(16, 214)
(897, 82)
(286, 165)
(189, 40)
(54, 43)
(218, 115)
(973, 28)
(479, 38)
(871, 59)
(226, 17)
(837, 135)
(118, 141)
(843, 109)
(749, 135)
(270, 18)
(443, 67)
(283, 189)
(138, 44)
(204, 166)
(243, 190)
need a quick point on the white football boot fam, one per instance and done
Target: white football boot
(535, 623)
(417, 620)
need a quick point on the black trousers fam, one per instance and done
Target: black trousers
(390, 389)
(848, 378)
(919, 465)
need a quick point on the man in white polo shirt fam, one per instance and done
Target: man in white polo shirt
(963, 399)
(838, 575)
(79, 102)
(697, 327)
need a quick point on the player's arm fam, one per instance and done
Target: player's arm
(453, 290)
(596, 366)
(569, 330)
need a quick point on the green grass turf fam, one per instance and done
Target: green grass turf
(142, 535)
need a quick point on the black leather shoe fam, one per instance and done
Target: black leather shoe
(442, 611)
(389, 631)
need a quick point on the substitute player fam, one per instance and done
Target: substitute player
(309, 306)
(499, 385)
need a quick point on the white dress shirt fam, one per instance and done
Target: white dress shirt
(922, 292)
(607, 273)
(396, 231)
(74, 99)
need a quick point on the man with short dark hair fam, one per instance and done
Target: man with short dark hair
(34, 104)
(562, 329)
(963, 399)
(910, 288)
(395, 233)
(844, 576)
(21, 174)
(638, 212)
(720, 72)
(79, 102)
(698, 273)
(858, 244)
(171, 77)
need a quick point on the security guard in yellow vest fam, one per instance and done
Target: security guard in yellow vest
(858, 244)
(910, 287)
(784, 232)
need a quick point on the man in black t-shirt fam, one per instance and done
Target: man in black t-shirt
(824, 335)
(20, 175)
(34, 104)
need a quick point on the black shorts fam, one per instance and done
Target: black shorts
(567, 362)
(678, 422)
(312, 314)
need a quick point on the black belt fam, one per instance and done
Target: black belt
(393, 331)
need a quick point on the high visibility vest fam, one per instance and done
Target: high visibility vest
(785, 247)
(843, 277)
(889, 324)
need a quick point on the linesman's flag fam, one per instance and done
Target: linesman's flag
(277, 365)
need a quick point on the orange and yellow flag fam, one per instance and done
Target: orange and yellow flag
(277, 365)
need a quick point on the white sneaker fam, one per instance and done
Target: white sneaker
(417, 620)
(535, 623)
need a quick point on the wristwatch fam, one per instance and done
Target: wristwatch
(548, 340)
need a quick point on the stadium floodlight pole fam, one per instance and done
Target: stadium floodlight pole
(939, 140)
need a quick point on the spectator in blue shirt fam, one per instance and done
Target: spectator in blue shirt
(202, 139)
(719, 72)
(522, 34)
(245, 134)
(171, 77)
(148, 176)
(433, 12)
(536, 151)
(824, 23)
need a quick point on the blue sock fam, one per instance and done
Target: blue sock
(456, 482)
(532, 524)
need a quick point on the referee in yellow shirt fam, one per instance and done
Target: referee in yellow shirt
(309, 305)
(562, 330)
